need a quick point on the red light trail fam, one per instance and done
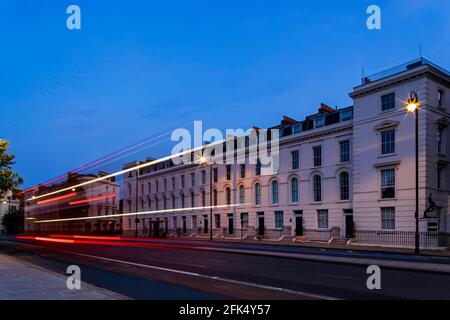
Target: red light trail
(111, 195)
(100, 241)
(69, 195)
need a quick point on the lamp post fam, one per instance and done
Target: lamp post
(204, 161)
(137, 198)
(413, 106)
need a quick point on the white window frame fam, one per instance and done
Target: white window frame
(275, 192)
(322, 219)
(387, 223)
(317, 147)
(279, 219)
(292, 193)
(388, 186)
(394, 130)
(395, 101)
(241, 194)
(295, 162)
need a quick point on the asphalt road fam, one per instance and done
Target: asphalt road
(170, 269)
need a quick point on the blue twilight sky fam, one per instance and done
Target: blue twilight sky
(137, 68)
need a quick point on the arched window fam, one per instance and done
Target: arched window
(317, 188)
(173, 202)
(241, 195)
(294, 190)
(274, 192)
(344, 185)
(228, 196)
(257, 194)
(215, 197)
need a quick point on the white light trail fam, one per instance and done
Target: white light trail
(141, 213)
(140, 166)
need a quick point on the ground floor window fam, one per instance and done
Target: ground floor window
(388, 218)
(322, 219)
(244, 219)
(278, 219)
(174, 220)
(194, 222)
(217, 220)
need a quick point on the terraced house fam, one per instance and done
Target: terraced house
(342, 174)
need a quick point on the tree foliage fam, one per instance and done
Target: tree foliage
(8, 178)
(13, 221)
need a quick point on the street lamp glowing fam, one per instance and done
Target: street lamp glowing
(412, 106)
(203, 160)
(413, 103)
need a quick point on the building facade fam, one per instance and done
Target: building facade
(342, 174)
(98, 201)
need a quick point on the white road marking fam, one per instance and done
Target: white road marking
(194, 274)
(217, 260)
(336, 276)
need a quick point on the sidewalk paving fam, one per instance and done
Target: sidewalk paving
(333, 245)
(20, 280)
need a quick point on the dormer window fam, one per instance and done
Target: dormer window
(319, 122)
(346, 114)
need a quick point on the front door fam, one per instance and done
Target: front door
(298, 225)
(150, 227)
(156, 227)
(230, 225)
(349, 226)
(261, 225)
(205, 225)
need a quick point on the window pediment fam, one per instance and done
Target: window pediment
(388, 124)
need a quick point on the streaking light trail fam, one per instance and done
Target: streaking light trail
(103, 160)
(69, 195)
(140, 166)
(46, 239)
(116, 238)
(140, 213)
(111, 195)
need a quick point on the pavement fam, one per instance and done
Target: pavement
(25, 281)
(445, 252)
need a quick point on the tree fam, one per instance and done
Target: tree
(8, 178)
(13, 221)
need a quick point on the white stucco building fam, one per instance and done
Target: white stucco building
(345, 173)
